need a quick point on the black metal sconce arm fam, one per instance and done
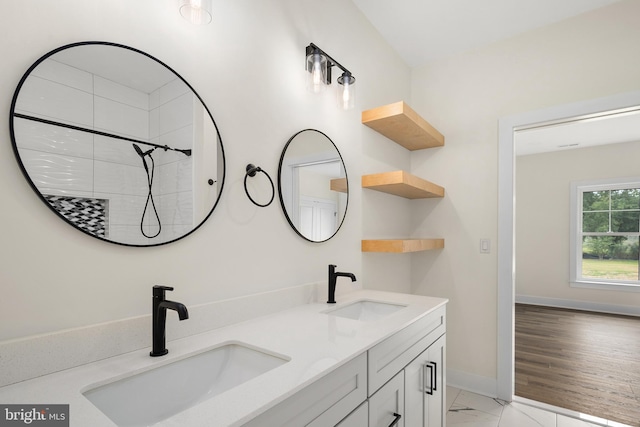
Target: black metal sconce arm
(331, 62)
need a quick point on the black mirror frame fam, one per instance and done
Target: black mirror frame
(282, 204)
(35, 188)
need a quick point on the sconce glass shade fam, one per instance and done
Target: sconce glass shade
(317, 67)
(197, 12)
(346, 95)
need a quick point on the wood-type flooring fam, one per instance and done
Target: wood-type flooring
(582, 361)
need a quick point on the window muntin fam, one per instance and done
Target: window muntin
(611, 211)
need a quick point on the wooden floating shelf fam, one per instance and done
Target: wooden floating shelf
(401, 124)
(402, 245)
(403, 184)
(339, 184)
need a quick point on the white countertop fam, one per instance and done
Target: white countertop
(315, 343)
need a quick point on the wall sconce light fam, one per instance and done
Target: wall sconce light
(197, 12)
(319, 67)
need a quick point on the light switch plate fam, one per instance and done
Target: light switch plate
(485, 246)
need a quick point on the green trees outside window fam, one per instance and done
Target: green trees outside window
(611, 234)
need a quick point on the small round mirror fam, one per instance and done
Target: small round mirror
(313, 186)
(117, 144)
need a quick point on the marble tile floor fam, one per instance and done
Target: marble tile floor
(467, 409)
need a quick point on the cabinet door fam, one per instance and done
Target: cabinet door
(415, 398)
(424, 387)
(436, 402)
(386, 406)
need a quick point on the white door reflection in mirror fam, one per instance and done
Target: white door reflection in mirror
(312, 182)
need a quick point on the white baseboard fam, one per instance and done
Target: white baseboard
(471, 382)
(579, 305)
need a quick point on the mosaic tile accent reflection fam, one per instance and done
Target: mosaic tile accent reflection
(85, 213)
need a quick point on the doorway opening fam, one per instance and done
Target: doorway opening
(508, 128)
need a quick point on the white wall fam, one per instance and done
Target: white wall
(248, 67)
(593, 55)
(542, 219)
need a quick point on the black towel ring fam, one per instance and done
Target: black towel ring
(251, 171)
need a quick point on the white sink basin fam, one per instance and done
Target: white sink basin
(365, 311)
(152, 396)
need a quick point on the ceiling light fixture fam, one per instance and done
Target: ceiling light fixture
(319, 67)
(197, 12)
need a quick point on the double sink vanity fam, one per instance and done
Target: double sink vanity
(373, 359)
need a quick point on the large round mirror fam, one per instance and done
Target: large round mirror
(313, 187)
(117, 144)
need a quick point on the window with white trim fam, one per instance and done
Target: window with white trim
(605, 237)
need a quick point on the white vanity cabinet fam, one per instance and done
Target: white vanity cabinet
(398, 382)
(333, 369)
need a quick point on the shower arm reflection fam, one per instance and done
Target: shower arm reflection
(186, 152)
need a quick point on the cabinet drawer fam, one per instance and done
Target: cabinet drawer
(322, 403)
(391, 355)
(358, 418)
(387, 404)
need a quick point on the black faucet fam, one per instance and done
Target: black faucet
(333, 276)
(159, 318)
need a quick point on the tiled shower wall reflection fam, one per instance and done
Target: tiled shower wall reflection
(74, 163)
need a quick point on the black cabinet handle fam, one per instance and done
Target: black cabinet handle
(435, 376)
(395, 421)
(429, 390)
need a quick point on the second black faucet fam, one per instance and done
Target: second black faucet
(333, 277)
